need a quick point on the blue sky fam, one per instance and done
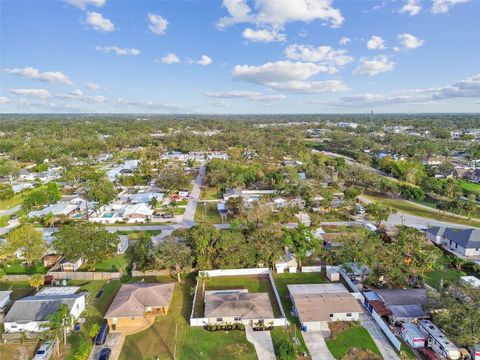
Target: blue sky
(239, 56)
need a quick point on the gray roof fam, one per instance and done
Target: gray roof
(467, 238)
(39, 308)
(407, 311)
(403, 296)
(436, 230)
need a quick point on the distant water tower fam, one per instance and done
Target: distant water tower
(371, 115)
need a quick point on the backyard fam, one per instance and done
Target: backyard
(208, 193)
(469, 186)
(116, 263)
(208, 213)
(172, 334)
(18, 268)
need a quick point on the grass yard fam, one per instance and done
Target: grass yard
(281, 282)
(354, 337)
(469, 186)
(253, 283)
(17, 199)
(20, 289)
(17, 351)
(119, 262)
(179, 210)
(183, 202)
(433, 278)
(411, 208)
(210, 194)
(192, 343)
(17, 268)
(207, 213)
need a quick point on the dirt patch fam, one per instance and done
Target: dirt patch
(337, 327)
(237, 348)
(360, 354)
(17, 351)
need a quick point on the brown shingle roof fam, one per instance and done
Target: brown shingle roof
(238, 304)
(318, 307)
(133, 299)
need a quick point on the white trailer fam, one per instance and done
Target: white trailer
(438, 342)
(412, 335)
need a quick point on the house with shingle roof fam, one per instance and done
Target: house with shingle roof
(237, 306)
(137, 301)
(463, 241)
(31, 314)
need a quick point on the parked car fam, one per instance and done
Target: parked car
(45, 351)
(427, 354)
(102, 334)
(167, 216)
(105, 354)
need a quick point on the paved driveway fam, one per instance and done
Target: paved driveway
(262, 340)
(316, 346)
(378, 337)
(114, 341)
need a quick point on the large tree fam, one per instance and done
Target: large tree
(301, 242)
(379, 212)
(28, 241)
(87, 240)
(58, 323)
(175, 255)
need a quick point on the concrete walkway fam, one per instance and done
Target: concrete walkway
(317, 347)
(378, 337)
(262, 340)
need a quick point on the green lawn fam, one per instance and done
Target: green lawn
(192, 343)
(17, 199)
(411, 208)
(281, 282)
(253, 283)
(469, 186)
(355, 337)
(119, 262)
(207, 213)
(178, 211)
(17, 268)
(432, 278)
(210, 194)
(182, 202)
(19, 289)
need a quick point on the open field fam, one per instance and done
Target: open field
(207, 213)
(172, 334)
(413, 209)
(469, 186)
(354, 337)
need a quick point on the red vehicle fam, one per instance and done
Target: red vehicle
(427, 354)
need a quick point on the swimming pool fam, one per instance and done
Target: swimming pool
(107, 215)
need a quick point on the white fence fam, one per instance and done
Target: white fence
(309, 269)
(235, 272)
(358, 295)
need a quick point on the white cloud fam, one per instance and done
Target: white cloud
(469, 87)
(78, 95)
(204, 60)
(157, 24)
(170, 58)
(344, 40)
(289, 76)
(277, 13)
(4, 100)
(36, 93)
(444, 6)
(118, 50)
(93, 86)
(409, 41)
(34, 74)
(83, 4)
(321, 54)
(374, 66)
(376, 43)
(219, 103)
(263, 35)
(98, 22)
(411, 7)
(249, 95)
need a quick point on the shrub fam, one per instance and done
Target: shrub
(284, 350)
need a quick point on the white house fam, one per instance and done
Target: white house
(71, 265)
(472, 280)
(287, 263)
(466, 242)
(137, 212)
(31, 314)
(317, 304)
(4, 298)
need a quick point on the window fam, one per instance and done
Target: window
(331, 315)
(237, 318)
(349, 314)
(219, 319)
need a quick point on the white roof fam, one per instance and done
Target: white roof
(316, 288)
(472, 280)
(58, 290)
(140, 208)
(56, 209)
(145, 197)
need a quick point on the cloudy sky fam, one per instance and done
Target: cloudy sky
(239, 56)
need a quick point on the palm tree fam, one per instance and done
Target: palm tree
(58, 323)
